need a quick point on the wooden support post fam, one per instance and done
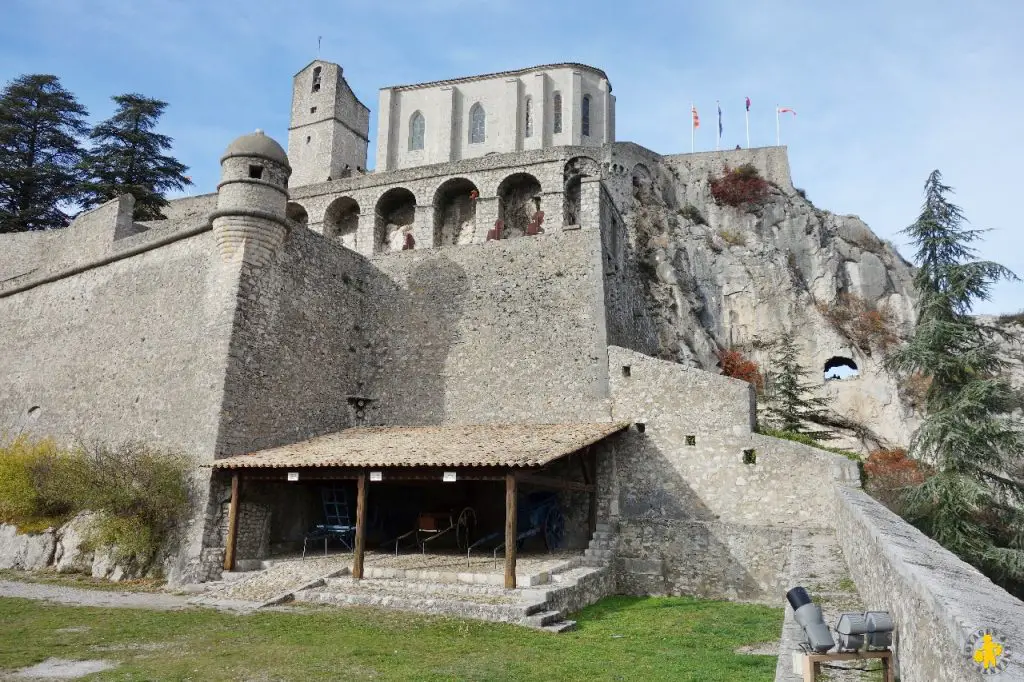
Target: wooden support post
(510, 531)
(360, 545)
(229, 545)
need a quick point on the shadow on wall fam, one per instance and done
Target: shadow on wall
(671, 543)
(422, 328)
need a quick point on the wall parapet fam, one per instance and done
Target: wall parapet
(937, 600)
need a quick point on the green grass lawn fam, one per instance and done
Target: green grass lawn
(620, 638)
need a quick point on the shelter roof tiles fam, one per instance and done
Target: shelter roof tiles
(509, 445)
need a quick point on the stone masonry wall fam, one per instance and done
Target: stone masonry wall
(936, 599)
(505, 331)
(253, 539)
(128, 350)
(303, 338)
(629, 322)
(694, 516)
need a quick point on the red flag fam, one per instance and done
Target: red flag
(787, 110)
(748, 104)
(696, 118)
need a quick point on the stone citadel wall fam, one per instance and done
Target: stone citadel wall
(130, 349)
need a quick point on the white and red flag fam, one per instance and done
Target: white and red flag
(778, 127)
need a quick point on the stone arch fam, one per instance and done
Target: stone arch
(341, 221)
(297, 214)
(839, 367)
(575, 170)
(519, 199)
(394, 217)
(455, 212)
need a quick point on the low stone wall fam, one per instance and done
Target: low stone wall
(937, 600)
(253, 539)
(704, 559)
(588, 589)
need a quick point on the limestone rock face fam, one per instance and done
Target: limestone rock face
(29, 551)
(70, 556)
(721, 277)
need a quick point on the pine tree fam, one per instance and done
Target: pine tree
(971, 504)
(128, 158)
(40, 125)
(790, 401)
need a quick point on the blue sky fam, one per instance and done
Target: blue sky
(885, 91)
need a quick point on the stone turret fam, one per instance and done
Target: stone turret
(252, 199)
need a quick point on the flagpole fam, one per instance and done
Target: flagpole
(692, 128)
(718, 139)
(746, 117)
(778, 136)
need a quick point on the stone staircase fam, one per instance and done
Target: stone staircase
(601, 549)
(542, 602)
(541, 608)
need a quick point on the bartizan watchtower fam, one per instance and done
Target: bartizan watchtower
(252, 198)
(329, 130)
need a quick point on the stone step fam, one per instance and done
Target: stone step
(505, 612)
(598, 554)
(393, 586)
(602, 535)
(543, 619)
(561, 626)
(604, 527)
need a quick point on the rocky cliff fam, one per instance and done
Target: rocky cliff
(720, 276)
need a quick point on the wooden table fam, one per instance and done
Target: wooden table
(812, 663)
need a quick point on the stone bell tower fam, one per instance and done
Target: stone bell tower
(252, 198)
(329, 130)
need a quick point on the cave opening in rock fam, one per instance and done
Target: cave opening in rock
(838, 368)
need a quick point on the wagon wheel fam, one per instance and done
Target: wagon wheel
(554, 528)
(465, 528)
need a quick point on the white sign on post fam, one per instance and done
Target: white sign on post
(448, 477)
(293, 475)
(376, 475)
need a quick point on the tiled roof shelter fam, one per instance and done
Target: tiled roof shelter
(501, 445)
(515, 453)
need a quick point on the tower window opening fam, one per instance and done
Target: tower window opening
(477, 124)
(316, 79)
(556, 109)
(585, 116)
(312, 110)
(417, 131)
(256, 172)
(529, 118)
(308, 139)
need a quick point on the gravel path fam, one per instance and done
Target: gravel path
(106, 599)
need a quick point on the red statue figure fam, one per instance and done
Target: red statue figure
(495, 232)
(534, 227)
(409, 243)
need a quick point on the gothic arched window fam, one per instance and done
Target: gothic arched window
(585, 111)
(477, 124)
(556, 107)
(316, 78)
(417, 128)
(529, 117)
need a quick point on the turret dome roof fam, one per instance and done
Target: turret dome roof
(257, 144)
